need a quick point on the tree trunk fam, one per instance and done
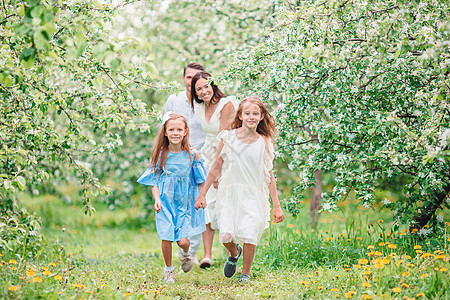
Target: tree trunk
(316, 194)
(428, 212)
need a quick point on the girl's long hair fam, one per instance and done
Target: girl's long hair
(159, 156)
(217, 93)
(266, 126)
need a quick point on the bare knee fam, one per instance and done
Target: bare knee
(184, 243)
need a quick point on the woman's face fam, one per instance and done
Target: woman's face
(204, 90)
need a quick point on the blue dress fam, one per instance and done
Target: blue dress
(178, 188)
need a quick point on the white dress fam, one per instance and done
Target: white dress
(210, 148)
(242, 208)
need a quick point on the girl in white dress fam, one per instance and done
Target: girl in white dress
(245, 163)
(216, 112)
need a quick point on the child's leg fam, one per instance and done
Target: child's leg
(248, 255)
(231, 247)
(208, 237)
(166, 247)
(184, 244)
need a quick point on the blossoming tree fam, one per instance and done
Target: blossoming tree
(362, 89)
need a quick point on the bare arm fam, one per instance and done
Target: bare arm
(226, 116)
(277, 212)
(213, 174)
(155, 193)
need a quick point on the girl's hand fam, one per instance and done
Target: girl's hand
(216, 184)
(157, 206)
(278, 214)
(200, 201)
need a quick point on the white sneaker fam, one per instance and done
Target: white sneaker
(186, 261)
(169, 276)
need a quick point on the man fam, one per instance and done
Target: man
(179, 103)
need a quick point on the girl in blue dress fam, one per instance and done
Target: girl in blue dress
(176, 173)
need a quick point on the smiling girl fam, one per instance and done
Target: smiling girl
(245, 163)
(176, 174)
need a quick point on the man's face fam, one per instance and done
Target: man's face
(187, 78)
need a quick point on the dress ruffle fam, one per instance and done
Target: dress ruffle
(150, 177)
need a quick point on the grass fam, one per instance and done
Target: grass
(116, 255)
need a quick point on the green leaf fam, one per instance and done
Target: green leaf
(21, 182)
(40, 41)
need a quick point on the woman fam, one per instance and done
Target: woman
(216, 111)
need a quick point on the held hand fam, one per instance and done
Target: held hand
(200, 201)
(157, 206)
(278, 214)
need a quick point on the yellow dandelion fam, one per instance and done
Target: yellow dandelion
(13, 261)
(419, 251)
(31, 273)
(13, 268)
(405, 285)
(414, 230)
(426, 226)
(289, 225)
(443, 269)
(399, 262)
(69, 254)
(417, 247)
(366, 284)
(405, 274)
(421, 294)
(410, 265)
(334, 290)
(378, 253)
(392, 246)
(348, 295)
(423, 275)
(13, 288)
(358, 238)
(386, 261)
(37, 279)
(58, 277)
(347, 269)
(371, 247)
(365, 296)
(46, 273)
(327, 231)
(380, 221)
(52, 264)
(379, 266)
(367, 272)
(330, 239)
(363, 261)
(337, 276)
(397, 290)
(357, 266)
(126, 294)
(297, 231)
(303, 282)
(320, 287)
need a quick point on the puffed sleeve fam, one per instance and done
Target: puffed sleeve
(199, 170)
(224, 136)
(150, 176)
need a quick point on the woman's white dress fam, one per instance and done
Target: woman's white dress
(210, 148)
(242, 207)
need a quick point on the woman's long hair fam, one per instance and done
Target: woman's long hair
(159, 156)
(266, 127)
(217, 93)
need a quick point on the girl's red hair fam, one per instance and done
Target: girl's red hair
(159, 156)
(266, 126)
